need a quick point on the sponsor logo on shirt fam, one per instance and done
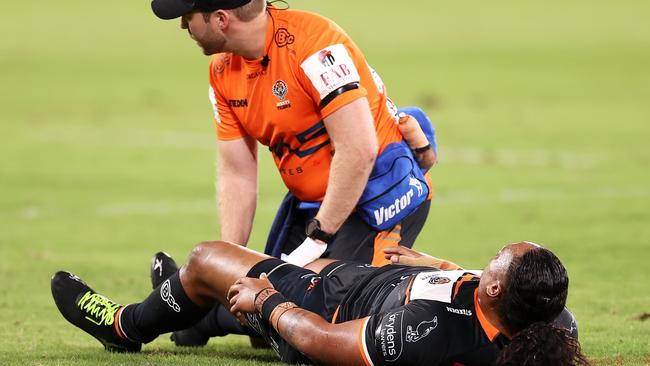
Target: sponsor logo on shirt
(389, 335)
(439, 280)
(330, 68)
(422, 330)
(256, 74)
(238, 103)
(466, 312)
(280, 90)
(221, 63)
(326, 58)
(283, 37)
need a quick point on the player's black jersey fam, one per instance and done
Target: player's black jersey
(420, 316)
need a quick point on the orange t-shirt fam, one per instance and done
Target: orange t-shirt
(314, 70)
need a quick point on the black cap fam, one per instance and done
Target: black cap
(171, 9)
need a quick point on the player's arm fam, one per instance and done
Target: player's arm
(321, 341)
(237, 188)
(354, 141)
(410, 257)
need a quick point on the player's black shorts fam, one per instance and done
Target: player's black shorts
(320, 293)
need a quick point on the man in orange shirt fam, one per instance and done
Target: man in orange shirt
(295, 82)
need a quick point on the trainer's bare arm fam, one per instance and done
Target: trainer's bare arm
(352, 132)
(237, 188)
(410, 257)
(321, 341)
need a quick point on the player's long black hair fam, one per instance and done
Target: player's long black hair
(535, 294)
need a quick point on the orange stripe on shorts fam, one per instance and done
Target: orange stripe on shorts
(385, 239)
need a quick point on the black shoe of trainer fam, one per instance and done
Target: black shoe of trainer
(89, 311)
(162, 267)
(190, 337)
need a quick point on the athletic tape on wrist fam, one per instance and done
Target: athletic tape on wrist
(306, 252)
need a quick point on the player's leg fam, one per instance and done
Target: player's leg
(217, 322)
(177, 303)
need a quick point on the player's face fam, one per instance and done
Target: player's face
(206, 34)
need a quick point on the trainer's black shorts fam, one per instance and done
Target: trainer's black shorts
(357, 241)
(320, 293)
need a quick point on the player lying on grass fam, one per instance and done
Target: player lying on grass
(337, 312)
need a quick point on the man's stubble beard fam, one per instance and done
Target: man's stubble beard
(212, 46)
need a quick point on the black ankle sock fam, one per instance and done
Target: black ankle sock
(166, 309)
(220, 322)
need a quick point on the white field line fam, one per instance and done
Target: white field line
(94, 136)
(170, 139)
(521, 158)
(537, 195)
(270, 205)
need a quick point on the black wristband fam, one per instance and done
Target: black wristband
(270, 304)
(422, 149)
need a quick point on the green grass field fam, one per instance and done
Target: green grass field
(107, 155)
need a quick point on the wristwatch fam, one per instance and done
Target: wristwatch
(314, 231)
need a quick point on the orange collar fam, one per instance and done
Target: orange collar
(490, 330)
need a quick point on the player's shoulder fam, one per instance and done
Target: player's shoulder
(441, 286)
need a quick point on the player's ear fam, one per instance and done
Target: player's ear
(493, 289)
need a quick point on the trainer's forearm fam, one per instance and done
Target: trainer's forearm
(237, 188)
(348, 177)
(237, 199)
(354, 142)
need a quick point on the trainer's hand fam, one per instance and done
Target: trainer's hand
(307, 252)
(409, 257)
(242, 294)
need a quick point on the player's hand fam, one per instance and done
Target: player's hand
(402, 255)
(410, 257)
(242, 294)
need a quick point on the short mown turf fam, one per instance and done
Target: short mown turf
(107, 155)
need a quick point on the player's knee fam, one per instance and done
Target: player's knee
(199, 257)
